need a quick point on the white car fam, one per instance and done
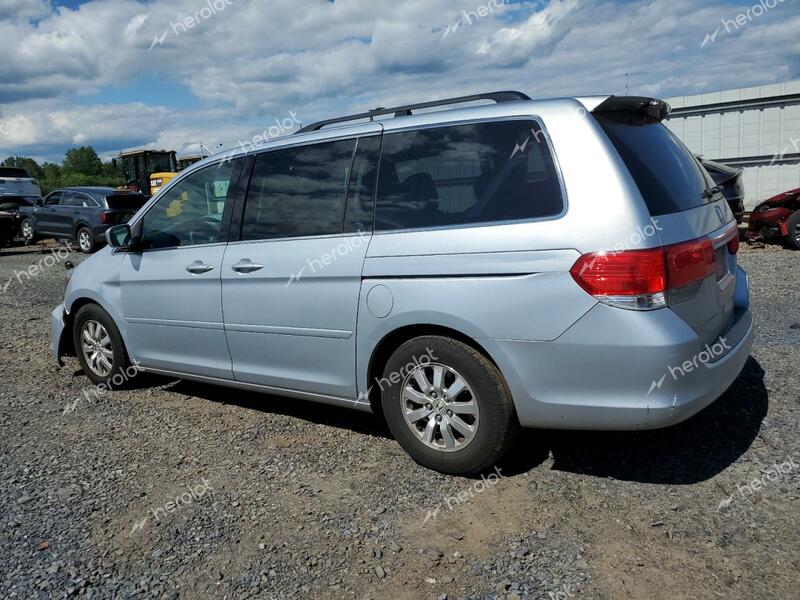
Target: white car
(17, 188)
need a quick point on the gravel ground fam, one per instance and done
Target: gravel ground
(172, 489)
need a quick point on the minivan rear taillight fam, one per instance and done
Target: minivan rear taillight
(638, 279)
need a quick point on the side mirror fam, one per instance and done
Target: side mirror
(120, 236)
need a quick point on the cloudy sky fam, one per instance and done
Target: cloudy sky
(121, 74)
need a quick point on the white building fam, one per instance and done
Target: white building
(757, 128)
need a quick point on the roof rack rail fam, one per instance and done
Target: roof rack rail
(404, 111)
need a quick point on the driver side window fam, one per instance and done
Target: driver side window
(190, 213)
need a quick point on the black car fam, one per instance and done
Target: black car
(81, 214)
(729, 180)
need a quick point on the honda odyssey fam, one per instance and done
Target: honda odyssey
(462, 272)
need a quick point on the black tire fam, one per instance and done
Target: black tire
(84, 238)
(793, 224)
(496, 422)
(120, 372)
(26, 226)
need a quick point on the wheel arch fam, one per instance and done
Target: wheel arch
(66, 346)
(79, 225)
(397, 337)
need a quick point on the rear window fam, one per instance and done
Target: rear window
(477, 173)
(14, 172)
(669, 176)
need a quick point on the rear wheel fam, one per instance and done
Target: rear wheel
(85, 240)
(793, 224)
(447, 405)
(99, 347)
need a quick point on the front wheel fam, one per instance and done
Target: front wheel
(99, 347)
(28, 231)
(793, 224)
(85, 240)
(447, 405)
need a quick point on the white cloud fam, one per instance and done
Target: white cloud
(252, 61)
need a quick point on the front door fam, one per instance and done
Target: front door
(171, 290)
(45, 211)
(290, 287)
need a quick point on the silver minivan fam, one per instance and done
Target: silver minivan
(462, 272)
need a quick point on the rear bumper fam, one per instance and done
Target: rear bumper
(620, 370)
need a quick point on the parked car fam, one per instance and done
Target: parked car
(729, 179)
(777, 218)
(463, 272)
(81, 214)
(17, 188)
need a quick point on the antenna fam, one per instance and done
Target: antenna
(210, 151)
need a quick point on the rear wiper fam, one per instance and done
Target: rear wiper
(711, 192)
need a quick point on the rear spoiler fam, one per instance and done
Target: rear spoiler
(638, 108)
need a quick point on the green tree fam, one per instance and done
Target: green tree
(83, 160)
(51, 177)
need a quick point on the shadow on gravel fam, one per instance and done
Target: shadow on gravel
(687, 453)
(312, 412)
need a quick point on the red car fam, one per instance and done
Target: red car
(778, 217)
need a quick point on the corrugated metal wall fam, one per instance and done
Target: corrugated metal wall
(748, 137)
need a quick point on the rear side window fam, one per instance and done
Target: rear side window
(476, 173)
(298, 191)
(668, 175)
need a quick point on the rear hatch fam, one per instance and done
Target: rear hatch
(692, 218)
(122, 206)
(16, 182)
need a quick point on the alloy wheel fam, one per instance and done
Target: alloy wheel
(96, 348)
(440, 407)
(84, 240)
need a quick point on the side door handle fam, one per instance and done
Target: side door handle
(198, 267)
(246, 266)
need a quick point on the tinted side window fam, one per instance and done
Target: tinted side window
(53, 198)
(478, 173)
(298, 191)
(70, 199)
(361, 191)
(191, 211)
